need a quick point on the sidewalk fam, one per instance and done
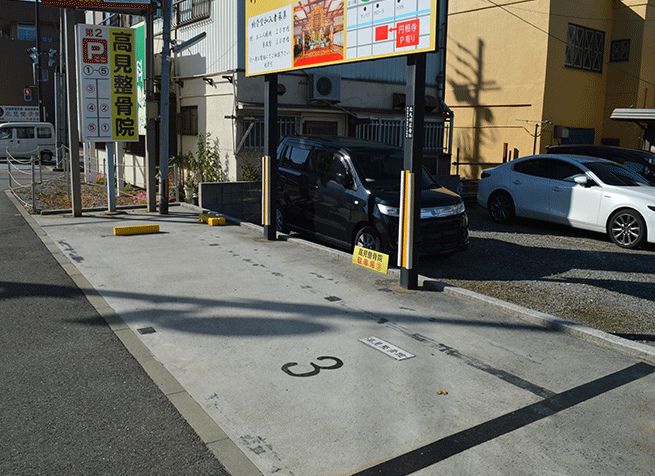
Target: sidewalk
(74, 400)
(260, 347)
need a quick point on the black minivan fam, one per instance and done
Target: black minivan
(347, 192)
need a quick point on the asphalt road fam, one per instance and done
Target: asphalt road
(74, 400)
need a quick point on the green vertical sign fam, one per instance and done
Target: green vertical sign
(140, 40)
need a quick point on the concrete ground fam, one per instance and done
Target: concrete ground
(273, 352)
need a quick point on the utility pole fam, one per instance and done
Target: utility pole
(37, 65)
(165, 107)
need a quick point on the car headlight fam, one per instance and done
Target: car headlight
(435, 212)
(387, 210)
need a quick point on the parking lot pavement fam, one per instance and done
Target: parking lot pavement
(294, 354)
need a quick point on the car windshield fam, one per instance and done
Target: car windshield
(615, 174)
(380, 169)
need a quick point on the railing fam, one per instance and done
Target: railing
(392, 132)
(189, 11)
(253, 132)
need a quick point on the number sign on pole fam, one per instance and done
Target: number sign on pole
(107, 83)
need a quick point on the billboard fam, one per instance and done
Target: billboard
(19, 113)
(284, 35)
(106, 69)
(97, 4)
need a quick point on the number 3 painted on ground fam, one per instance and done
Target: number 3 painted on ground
(317, 368)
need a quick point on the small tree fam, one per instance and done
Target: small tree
(206, 164)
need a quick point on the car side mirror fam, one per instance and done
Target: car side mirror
(582, 180)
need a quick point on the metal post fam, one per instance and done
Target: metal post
(165, 105)
(414, 138)
(151, 122)
(536, 131)
(37, 73)
(271, 139)
(73, 135)
(32, 161)
(111, 177)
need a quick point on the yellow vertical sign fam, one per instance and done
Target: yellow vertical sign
(122, 64)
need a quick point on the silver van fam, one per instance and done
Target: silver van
(25, 139)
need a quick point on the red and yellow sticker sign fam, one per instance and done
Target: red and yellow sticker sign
(370, 259)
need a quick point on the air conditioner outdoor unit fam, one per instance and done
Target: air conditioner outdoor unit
(324, 87)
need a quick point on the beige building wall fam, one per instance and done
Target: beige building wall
(507, 81)
(495, 70)
(632, 83)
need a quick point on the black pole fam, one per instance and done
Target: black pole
(165, 107)
(151, 120)
(37, 69)
(271, 140)
(414, 138)
(73, 135)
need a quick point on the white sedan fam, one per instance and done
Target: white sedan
(583, 192)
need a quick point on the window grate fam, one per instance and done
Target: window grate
(189, 11)
(585, 48)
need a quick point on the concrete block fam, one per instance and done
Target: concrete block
(135, 229)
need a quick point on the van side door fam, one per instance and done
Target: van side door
(293, 185)
(335, 199)
(24, 142)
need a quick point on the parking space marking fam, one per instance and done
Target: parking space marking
(475, 363)
(440, 450)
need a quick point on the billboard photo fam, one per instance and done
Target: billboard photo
(298, 34)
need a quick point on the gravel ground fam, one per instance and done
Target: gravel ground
(575, 275)
(53, 194)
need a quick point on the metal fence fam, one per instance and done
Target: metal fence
(387, 131)
(252, 138)
(392, 132)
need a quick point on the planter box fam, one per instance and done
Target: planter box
(242, 200)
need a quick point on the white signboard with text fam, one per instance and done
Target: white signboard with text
(107, 86)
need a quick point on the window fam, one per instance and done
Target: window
(5, 134)
(25, 133)
(25, 32)
(189, 11)
(544, 168)
(298, 158)
(585, 48)
(567, 172)
(188, 121)
(43, 132)
(620, 51)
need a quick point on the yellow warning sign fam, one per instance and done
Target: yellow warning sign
(370, 259)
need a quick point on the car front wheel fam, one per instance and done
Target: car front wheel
(501, 207)
(368, 238)
(627, 228)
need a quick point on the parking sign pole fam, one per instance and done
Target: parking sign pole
(271, 140)
(73, 135)
(414, 137)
